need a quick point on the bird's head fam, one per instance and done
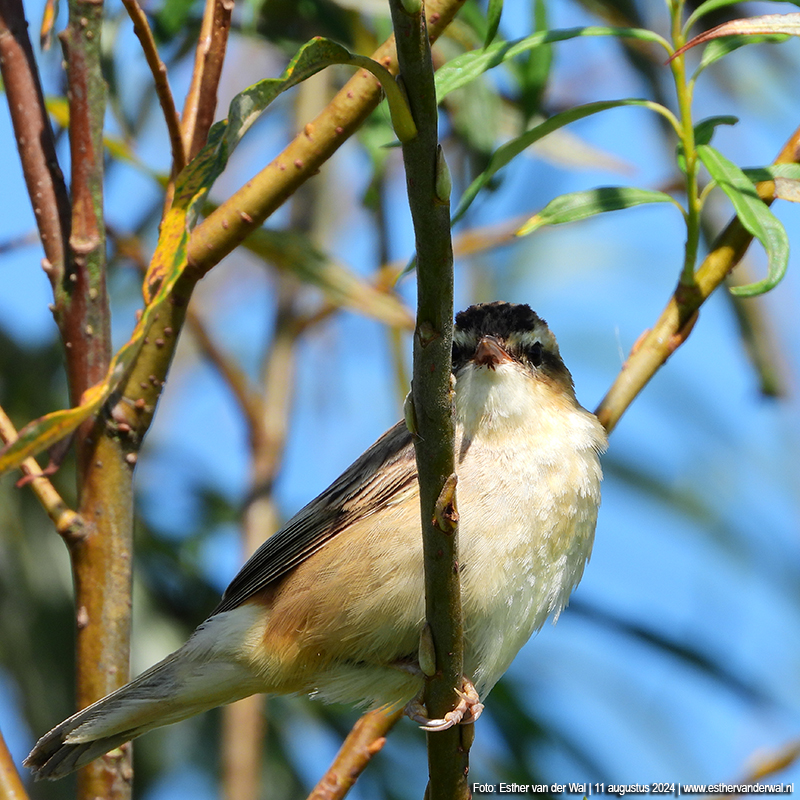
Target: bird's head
(507, 366)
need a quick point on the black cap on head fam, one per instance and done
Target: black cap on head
(520, 331)
(498, 319)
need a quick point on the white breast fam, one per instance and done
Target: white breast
(528, 492)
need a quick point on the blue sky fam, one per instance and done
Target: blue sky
(710, 563)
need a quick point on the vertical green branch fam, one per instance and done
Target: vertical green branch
(684, 90)
(428, 193)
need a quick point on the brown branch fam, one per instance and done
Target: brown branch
(11, 787)
(75, 261)
(364, 741)
(34, 136)
(201, 101)
(141, 28)
(677, 319)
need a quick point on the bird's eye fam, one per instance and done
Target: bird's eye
(535, 353)
(462, 352)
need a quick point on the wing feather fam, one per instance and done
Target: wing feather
(380, 475)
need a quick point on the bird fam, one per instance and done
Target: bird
(332, 604)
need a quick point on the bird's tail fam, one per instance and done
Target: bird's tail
(193, 679)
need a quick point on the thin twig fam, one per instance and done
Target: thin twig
(68, 523)
(201, 100)
(34, 136)
(243, 722)
(244, 726)
(765, 765)
(364, 741)
(677, 319)
(141, 28)
(11, 787)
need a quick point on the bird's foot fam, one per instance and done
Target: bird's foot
(468, 710)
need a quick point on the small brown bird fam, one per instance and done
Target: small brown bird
(332, 605)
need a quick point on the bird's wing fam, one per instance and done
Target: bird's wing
(374, 480)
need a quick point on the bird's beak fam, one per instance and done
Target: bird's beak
(490, 353)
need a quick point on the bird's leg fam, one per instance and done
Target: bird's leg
(468, 710)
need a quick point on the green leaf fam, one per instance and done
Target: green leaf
(703, 133)
(704, 130)
(510, 149)
(754, 215)
(581, 205)
(465, 68)
(718, 48)
(493, 14)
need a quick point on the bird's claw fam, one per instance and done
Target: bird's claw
(468, 710)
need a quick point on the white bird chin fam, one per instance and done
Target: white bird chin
(497, 401)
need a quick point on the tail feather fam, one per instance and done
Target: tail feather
(122, 715)
(191, 680)
(52, 758)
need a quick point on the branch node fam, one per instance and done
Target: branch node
(410, 415)
(427, 333)
(445, 514)
(427, 651)
(444, 183)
